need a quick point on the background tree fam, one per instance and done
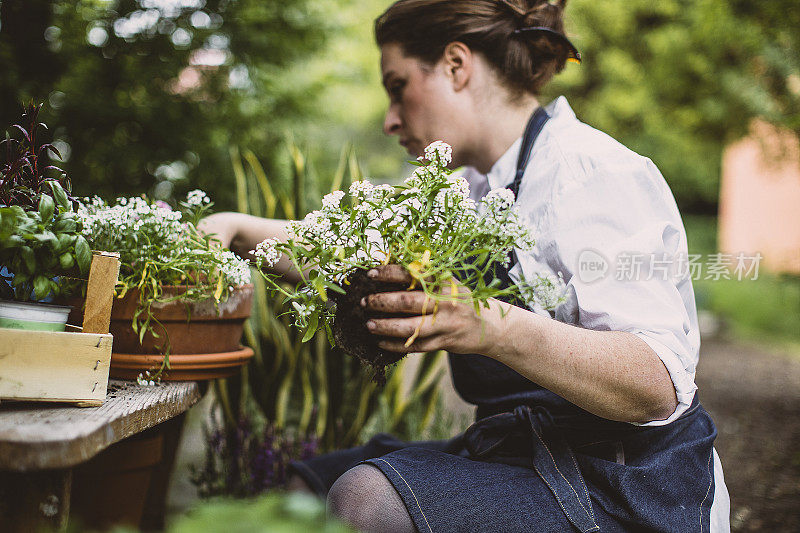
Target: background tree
(149, 94)
(676, 80)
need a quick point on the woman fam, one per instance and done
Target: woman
(588, 428)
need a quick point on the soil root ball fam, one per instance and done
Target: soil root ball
(350, 323)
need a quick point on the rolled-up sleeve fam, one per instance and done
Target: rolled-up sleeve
(615, 234)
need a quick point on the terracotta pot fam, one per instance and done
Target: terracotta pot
(204, 339)
(183, 367)
(191, 327)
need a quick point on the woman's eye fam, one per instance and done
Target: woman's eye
(396, 90)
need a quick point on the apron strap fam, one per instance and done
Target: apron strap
(532, 131)
(534, 127)
(552, 458)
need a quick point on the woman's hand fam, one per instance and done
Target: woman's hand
(454, 326)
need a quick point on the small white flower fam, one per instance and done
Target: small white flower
(197, 197)
(546, 291)
(267, 252)
(499, 199)
(332, 200)
(439, 150)
(361, 188)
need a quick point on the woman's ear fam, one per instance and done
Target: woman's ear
(459, 64)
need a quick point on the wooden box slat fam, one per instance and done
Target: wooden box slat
(54, 366)
(64, 366)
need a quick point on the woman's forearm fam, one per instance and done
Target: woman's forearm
(612, 374)
(241, 233)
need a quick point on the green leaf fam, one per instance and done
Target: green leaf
(66, 240)
(83, 254)
(313, 321)
(334, 287)
(329, 333)
(65, 225)
(67, 261)
(26, 252)
(46, 208)
(61, 197)
(41, 287)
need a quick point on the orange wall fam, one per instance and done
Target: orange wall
(759, 205)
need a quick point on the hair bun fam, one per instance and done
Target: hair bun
(531, 13)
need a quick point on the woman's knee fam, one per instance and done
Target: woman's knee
(364, 498)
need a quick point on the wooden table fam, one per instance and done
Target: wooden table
(47, 449)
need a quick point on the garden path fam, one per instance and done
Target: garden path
(753, 394)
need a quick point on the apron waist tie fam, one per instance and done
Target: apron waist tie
(552, 457)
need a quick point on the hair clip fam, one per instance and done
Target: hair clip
(572, 52)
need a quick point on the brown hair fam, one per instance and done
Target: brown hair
(526, 62)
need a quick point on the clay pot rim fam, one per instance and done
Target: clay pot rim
(124, 308)
(201, 360)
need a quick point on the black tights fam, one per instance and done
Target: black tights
(365, 499)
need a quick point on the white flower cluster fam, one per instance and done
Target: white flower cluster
(429, 224)
(501, 218)
(145, 379)
(332, 201)
(152, 233)
(547, 291)
(365, 190)
(439, 150)
(235, 269)
(266, 252)
(197, 197)
(129, 215)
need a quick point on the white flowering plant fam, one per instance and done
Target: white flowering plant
(428, 224)
(160, 246)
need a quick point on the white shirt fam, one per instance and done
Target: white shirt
(591, 202)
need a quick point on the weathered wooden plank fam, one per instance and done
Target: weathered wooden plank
(39, 436)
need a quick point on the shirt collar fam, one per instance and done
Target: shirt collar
(502, 172)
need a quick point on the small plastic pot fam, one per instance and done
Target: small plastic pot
(33, 316)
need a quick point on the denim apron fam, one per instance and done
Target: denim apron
(514, 415)
(533, 461)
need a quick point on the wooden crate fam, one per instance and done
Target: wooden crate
(70, 366)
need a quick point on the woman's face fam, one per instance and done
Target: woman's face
(423, 107)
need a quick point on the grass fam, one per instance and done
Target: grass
(765, 310)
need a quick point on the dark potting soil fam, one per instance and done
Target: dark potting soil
(350, 323)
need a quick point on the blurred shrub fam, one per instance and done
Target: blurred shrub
(676, 80)
(276, 513)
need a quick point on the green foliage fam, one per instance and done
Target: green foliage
(38, 246)
(428, 225)
(163, 256)
(140, 103)
(309, 387)
(276, 513)
(676, 80)
(764, 310)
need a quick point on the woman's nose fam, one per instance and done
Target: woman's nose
(391, 124)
